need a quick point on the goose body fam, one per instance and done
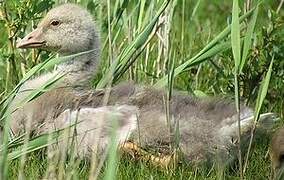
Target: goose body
(202, 127)
(206, 126)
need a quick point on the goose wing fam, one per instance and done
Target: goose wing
(94, 129)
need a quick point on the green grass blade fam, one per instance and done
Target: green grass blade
(35, 144)
(235, 36)
(194, 61)
(236, 49)
(259, 102)
(212, 44)
(47, 64)
(248, 38)
(6, 111)
(112, 153)
(141, 14)
(263, 89)
(117, 67)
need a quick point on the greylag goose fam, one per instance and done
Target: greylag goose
(206, 126)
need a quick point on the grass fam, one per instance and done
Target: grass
(130, 169)
(143, 41)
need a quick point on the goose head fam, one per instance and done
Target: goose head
(66, 29)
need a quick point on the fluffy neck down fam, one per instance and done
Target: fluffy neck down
(82, 67)
(79, 69)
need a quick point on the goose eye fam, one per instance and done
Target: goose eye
(55, 23)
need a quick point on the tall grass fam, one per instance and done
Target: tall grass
(163, 43)
(236, 48)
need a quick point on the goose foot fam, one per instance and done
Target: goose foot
(160, 160)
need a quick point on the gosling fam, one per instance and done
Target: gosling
(206, 126)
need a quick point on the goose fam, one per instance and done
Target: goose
(207, 127)
(276, 152)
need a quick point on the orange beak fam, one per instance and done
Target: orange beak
(32, 40)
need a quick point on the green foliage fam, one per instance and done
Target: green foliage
(159, 43)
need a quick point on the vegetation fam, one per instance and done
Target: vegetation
(154, 42)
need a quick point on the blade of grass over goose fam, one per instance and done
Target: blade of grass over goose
(236, 49)
(259, 102)
(42, 66)
(4, 152)
(39, 91)
(169, 118)
(15, 142)
(36, 144)
(188, 61)
(112, 154)
(117, 67)
(6, 112)
(34, 93)
(6, 117)
(47, 64)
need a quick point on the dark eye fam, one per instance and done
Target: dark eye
(55, 23)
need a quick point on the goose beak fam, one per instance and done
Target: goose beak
(32, 40)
